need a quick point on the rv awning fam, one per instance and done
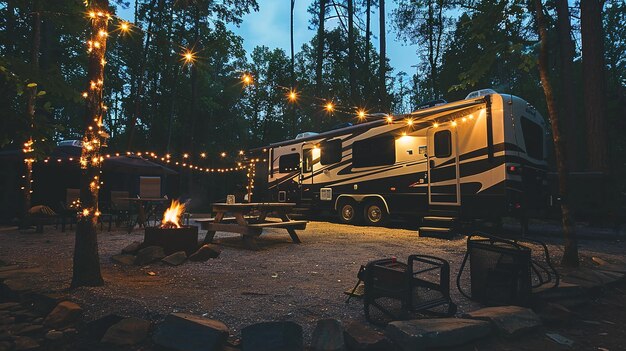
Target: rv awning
(451, 110)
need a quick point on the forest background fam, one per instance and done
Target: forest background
(160, 102)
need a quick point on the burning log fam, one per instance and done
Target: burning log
(170, 235)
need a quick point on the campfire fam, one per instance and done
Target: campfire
(171, 235)
(171, 217)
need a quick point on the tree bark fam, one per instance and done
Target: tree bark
(368, 9)
(383, 54)
(568, 103)
(86, 269)
(594, 84)
(570, 252)
(30, 107)
(320, 58)
(351, 71)
(293, 74)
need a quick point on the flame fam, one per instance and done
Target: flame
(171, 217)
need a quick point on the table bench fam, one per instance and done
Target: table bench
(250, 226)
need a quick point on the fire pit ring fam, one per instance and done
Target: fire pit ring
(172, 239)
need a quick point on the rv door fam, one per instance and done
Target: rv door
(443, 166)
(306, 172)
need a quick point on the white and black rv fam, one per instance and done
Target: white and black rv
(481, 157)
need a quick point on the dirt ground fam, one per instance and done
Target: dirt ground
(286, 281)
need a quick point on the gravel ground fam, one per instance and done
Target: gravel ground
(280, 281)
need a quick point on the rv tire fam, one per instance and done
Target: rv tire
(348, 211)
(374, 213)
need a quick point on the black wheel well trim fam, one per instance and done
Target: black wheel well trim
(358, 198)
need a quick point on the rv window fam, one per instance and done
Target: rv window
(374, 152)
(443, 143)
(289, 163)
(330, 152)
(533, 138)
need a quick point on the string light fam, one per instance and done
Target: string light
(361, 114)
(124, 27)
(293, 96)
(189, 57)
(330, 107)
(246, 78)
(389, 119)
(409, 121)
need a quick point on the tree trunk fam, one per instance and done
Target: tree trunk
(594, 84)
(320, 58)
(383, 55)
(30, 107)
(568, 104)
(368, 9)
(293, 75)
(431, 49)
(86, 269)
(570, 252)
(351, 73)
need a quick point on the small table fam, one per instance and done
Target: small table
(250, 219)
(143, 211)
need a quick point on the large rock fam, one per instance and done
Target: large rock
(64, 314)
(10, 306)
(43, 303)
(29, 329)
(14, 288)
(426, 334)
(361, 337)
(328, 336)
(25, 343)
(96, 329)
(555, 313)
(126, 260)
(132, 248)
(129, 331)
(149, 254)
(205, 252)
(510, 321)
(54, 335)
(269, 336)
(186, 332)
(175, 259)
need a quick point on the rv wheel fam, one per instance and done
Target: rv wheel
(374, 213)
(348, 212)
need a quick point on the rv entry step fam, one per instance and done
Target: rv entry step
(443, 227)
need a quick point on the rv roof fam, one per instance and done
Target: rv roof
(420, 115)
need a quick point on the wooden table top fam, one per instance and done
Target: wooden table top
(244, 205)
(146, 199)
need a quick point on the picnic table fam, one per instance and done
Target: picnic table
(249, 220)
(146, 207)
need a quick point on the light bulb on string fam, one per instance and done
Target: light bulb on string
(124, 27)
(246, 78)
(360, 114)
(189, 57)
(330, 107)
